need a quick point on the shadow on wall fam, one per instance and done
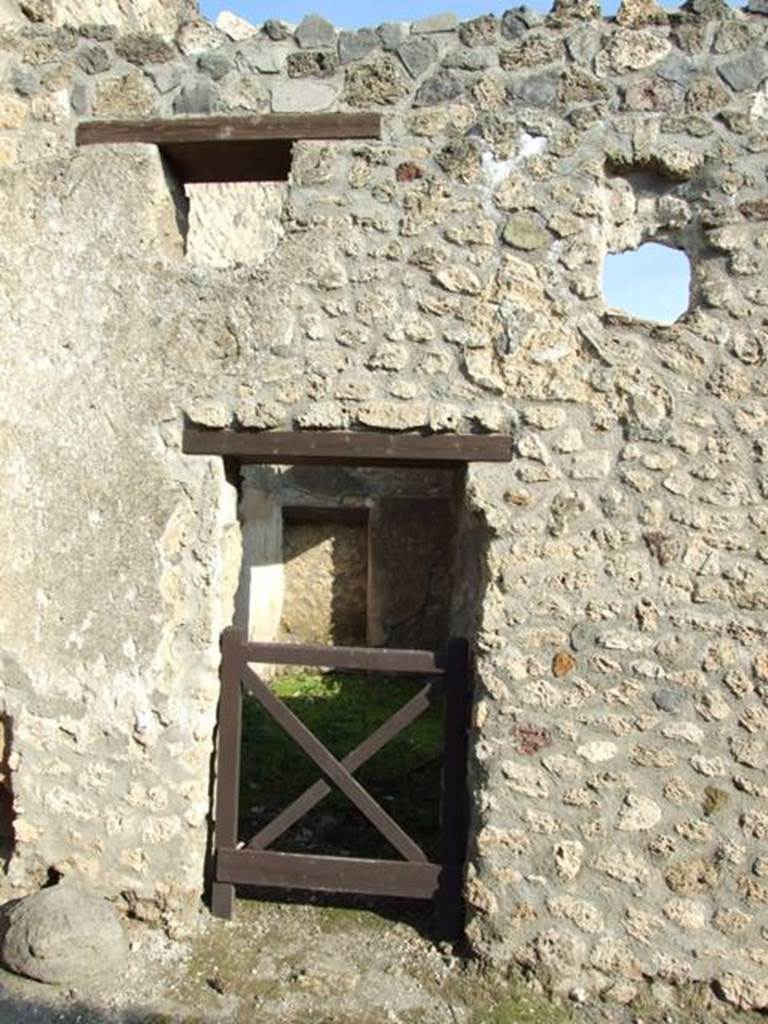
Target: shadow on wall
(6, 794)
(326, 581)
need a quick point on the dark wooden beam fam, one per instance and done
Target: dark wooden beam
(219, 148)
(320, 447)
(332, 874)
(362, 659)
(225, 129)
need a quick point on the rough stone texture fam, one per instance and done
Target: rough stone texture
(326, 568)
(614, 579)
(234, 223)
(158, 16)
(62, 936)
(315, 32)
(235, 27)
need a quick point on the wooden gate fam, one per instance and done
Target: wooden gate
(413, 876)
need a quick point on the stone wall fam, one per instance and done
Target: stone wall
(443, 279)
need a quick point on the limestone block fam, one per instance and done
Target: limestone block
(157, 16)
(435, 23)
(300, 96)
(234, 223)
(129, 95)
(377, 82)
(235, 27)
(748, 993)
(10, 13)
(636, 13)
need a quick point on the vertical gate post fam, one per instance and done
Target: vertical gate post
(453, 811)
(228, 764)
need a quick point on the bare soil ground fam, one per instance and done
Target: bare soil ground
(280, 963)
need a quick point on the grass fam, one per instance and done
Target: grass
(342, 709)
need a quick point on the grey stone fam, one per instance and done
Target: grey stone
(537, 90)
(584, 634)
(312, 64)
(80, 99)
(583, 44)
(215, 63)
(480, 31)
(276, 30)
(303, 95)
(470, 60)
(669, 700)
(254, 56)
(417, 54)
(516, 22)
(315, 32)
(746, 72)
(354, 45)
(675, 68)
(166, 77)
(392, 33)
(758, 7)
(197, 96)
(144, 48)
(94, 59)
(435, 23)
(62, 936)
(441, 88)
(25, 81)
(99, 33)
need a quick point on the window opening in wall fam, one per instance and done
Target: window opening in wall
(233, 224)
(650, 283)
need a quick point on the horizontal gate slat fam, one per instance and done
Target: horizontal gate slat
(370, 659)
(334, 874)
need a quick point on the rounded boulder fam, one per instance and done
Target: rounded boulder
(62, 935)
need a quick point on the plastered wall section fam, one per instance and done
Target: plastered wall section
(443, 279)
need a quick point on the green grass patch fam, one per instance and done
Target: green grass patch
(342, 709)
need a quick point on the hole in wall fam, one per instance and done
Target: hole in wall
(232, 224)
(651, 282)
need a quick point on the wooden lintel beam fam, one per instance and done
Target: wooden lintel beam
(223, 129)
(310, 447)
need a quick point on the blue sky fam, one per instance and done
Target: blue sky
(652, 282)
(347, 14)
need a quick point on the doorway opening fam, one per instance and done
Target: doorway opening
(341, 538)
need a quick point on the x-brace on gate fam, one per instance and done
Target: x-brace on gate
(414, 876)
